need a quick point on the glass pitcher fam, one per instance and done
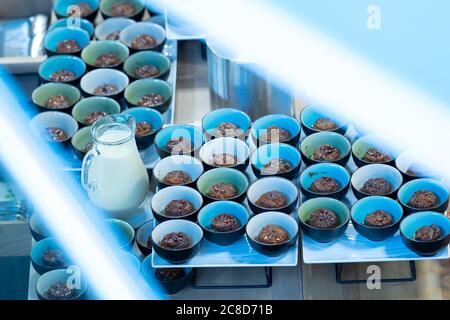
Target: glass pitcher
(113, 173)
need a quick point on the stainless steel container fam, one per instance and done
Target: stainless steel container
(233, 82)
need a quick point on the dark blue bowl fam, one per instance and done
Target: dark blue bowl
(214, 118)
(151, 116)
(93, 104)
(438, 188)
(144, 28)
(370, 204)
(141, 87)
(314, 141)
(45, 281)
(62, 8)
(110, 26)
(282, 121)
(228, 145)
(105, 9)
(372, 171)
(137, 60)
(212, 210)
(123, 233)
(312, 113)
(44, 92)
(38, 251)
(255, 225)
(144, 237)
(314, 172)
(74, 23)
(57, 35)
(412, 161)
(265, 153)
(62, 62)
(38, 229)
(319, 234)
(412, 223)
(190, 165)
(361, 145)
(192, 133)
(98, 48)
(97, 77)
(54, 119)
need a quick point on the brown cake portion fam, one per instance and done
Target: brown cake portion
(143, 42)
(428, 233)
(177, 177)
(113, 36)
(377, 186)
(325, 185)
(176, 241)
(143, 128)
(55, 134)
(53, 258)
(379, 219)
(423, 199)
(276, 134)
(325, 124)
(147, 71)
(225, 223)
(67, 46)
(57, 102)
(223, 191)
(94, 116)
(326, 152)
(179, 145)
(178, 208)
(88, 147)
(107, 60)
(276, 166)
(376, 156)
(106, 89)
(83, 8)
(60, 291)
(122, 9)
(272, 200)
(224, 160)
(323, 219)
(227, 129)
(62, 76)
(272, 234)
(169, 274)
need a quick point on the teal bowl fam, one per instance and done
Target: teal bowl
(80, 140)
(57, 35)
(98, 48)
(123, 233)
(214, 118)
(314, 141)
(264, 154)
(106, 5)
(110, 29)
(62, 8)
(282, 121)
(50, 278)
(142, 87)
(60, 63)
(153, 117)
(40, 249)
(84, 24)
(363, 144)
(147, 58)
(43, 93)
(144, 28)
(94, 104)
(191, 133)
(312, 113)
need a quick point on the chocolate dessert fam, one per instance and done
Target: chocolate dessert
(146, 71)
(106, 89)
(178, 208)
(150, 100)
(227, 129)
(323, 219)
(176, 241)
(142, 42)
(53, 258)
(423, 199)
(122, 9)
(428, 233)
(276, 134)
(55, 134)
(169, 274)
(177, 177)
(94, 116)
(107, 60)
(224, 160)
(225, 223)
(326, 152)
(272, 200)
(272, 234)
(62, 76)
(222, 191)
(88, 147)
(143, 128)
(84, 9)
(57, 102)
(325, 124)
(60, 291)
(325, 185)
(379, 219)
(276, 166)
(376, 156)
(377, 186)
(67, 46)
(179, 145)
(113, 36)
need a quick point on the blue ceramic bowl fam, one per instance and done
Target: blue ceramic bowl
(123, 232)
(141, 87)
(144, 28)
(214, 118)
(373, 171)
(84, 24)
(312, 113)
(44, 92)
(108, 28)
(314, 172)
(314, 141)
(363, 144)
(38, 229)
(54, 119)
(93, 104)
(226, 175)
(58, 35)
(62, 8)
(212, 210)
(412, 165)
(38, 251)
(91, 80)
(190, 165)
(282, 121)
(264, 154)
(59, 63)
(151, 116)
(264, 185)
(438, 188)
(98, 48)
(232, 146)
(255, 225)
(370, 204)
(191, 133)
(137, 60)
(164, 196)
(177, 256)
(412, 223)
(144, 237)
(320, 234)
(105, 9)
(48, 279)
(79, 141)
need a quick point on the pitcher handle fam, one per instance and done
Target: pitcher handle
(87, 161)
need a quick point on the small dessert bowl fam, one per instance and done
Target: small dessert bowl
(212, 210)
(60, 63)
(323, 234)
(43, 93)
(123, 233)
(96, 49)
(144, 237)
(64, 8)
(47, 247)
(438, 188)
(38, 229)
(142, 87)
(363, 144)
(368, 205)
(273, 151)
(187, 132)
(164, 196)
(312, 113)
(257, 223)
(412, 165)
(285, 122)
(95, 78)
(54, 119)
(374, 171)
(110, 29)
(225, 146)
(106, 5)
(316, 140)
(177, 256)
(82, 142)
(57, 35)
(152, 117)
(215, 118)
(189, 165)
(147, 58)
(65, 276)
(223, 175)
(85, 107)
(325, 170)
(144, 28)
(414, 222)
(82, 23)
(270, 184)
